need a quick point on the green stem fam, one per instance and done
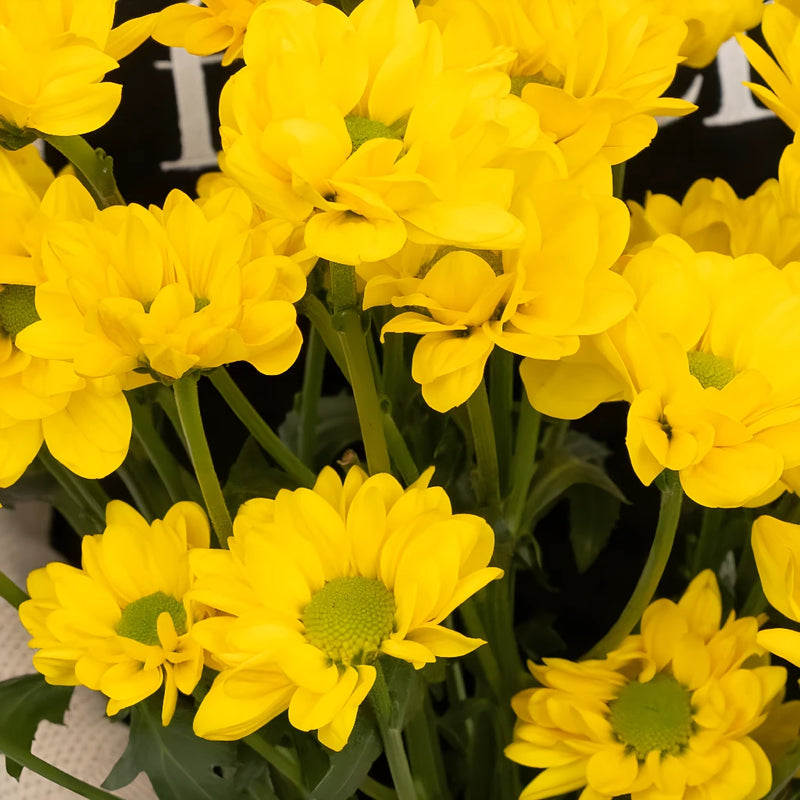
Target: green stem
(162, 459)
(95, 169)
(84, 494)
(705, 551)
(188, 403)
(668, 516)
(377, 791)
(395, 372)
(309, 397)
(281, 759)
(501, 396)
(259, 429)
(10, 592)
(392, 737)
(138, 492)
(312, 308)
(398, 449)
(480, 420)
(55, 775)
(523, 463)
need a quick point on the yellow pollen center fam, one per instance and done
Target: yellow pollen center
(710, 370)
(349, 618)
(17, 309)
(656, 715)
(139, 619)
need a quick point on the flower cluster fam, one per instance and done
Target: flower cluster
(673, 712)
(315, 586)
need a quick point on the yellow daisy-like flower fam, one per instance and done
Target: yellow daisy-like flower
(351, 127)
(666, 716)
(317, 584)
(710, 365)
(210, 28)
(85, 423)
(781, 29)
(53, 57)
(712, 217)
(594, 70)
(122, 624)
(165, 291)
(710, 24)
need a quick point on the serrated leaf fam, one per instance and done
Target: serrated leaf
(24, 702)
(351, 764)
(179, 764)
(592, 516)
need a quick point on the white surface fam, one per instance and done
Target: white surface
(89, 744)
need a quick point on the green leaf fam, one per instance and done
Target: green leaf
(783, 772)
(252, 476)
(179, 764)
(352, 764)
(592, 516)
(24, 702)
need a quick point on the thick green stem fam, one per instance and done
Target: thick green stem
(281, 759)
(188, 403)
(95, 169)
(10, 592)
(309, 397)
(55, 775)
(377, 791)
(501, 396)
(86, 495)
(392, 737)
(668, 516)
(312, 308)
(480, 420)
(523, 463)
(259, 429)
(353, 341)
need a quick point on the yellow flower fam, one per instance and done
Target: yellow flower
(122, 624)
(351, 127)
(781, 29)
(85, 423)
(53, 57)
(666, 716)
(710, 24)
(709, 364)
(202, 30)
(712, 217)
(316, 584)
(594, 70)
(164, 292)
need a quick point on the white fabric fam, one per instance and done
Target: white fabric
(89, 744)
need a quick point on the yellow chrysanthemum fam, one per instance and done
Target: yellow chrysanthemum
(351, 127)
(710, 364)
(53, 57)
(122, 624)
(666, 716)
(85, 423)
(594, 70)
(165, 292)
(709, 24)
(535, 302)
(781, 29)
(210, 28)
(317, 584)
(712, 217)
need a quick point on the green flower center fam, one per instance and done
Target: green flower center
(656, 715)
(139, 618)
(362, 130)
(17, 309)
(348, 618)
(711, 370)
(519, 82)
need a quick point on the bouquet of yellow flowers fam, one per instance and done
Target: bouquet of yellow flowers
(420, 207)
